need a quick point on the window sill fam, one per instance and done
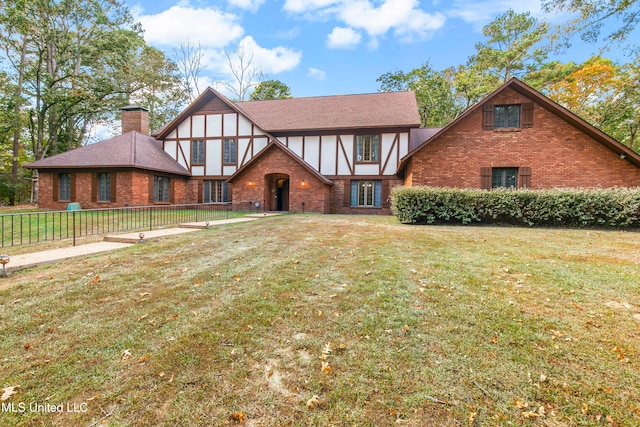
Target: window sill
(507, 129)
(365, 207)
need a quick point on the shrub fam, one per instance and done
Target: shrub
(618, 207)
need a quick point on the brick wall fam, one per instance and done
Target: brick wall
(558, 154)
(132, 189)
(256, 184)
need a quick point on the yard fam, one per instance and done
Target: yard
(330, 320)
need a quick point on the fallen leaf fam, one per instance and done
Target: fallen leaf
(529, 414)
(144, 294)
(326, 368)
(28, 346)
(144, 316)
(472, 418)
(237, 417)
(521, 405)
(198, 284)
(314, 402)
(494, 339)
(327, 349)
(126, 354)
(7, 392)
(144, 358)
(236, 278)
(97, 278)
(577, 306)
(585, 409)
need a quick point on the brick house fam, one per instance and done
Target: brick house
(516, 137)
(334, 154)
(127, 170)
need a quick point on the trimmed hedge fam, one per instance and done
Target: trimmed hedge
(618, 207)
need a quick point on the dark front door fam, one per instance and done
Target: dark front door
(282, 195)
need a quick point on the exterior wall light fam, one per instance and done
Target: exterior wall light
(4, 260)
(250, 183)
(303, 183)
(141, 236)
(622, 156)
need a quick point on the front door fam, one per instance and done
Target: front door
(277, 192)
(282, 195)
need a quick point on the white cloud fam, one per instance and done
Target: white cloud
(275, 60)
(208, 26)
(317, 74)
(404, 17)
(302, 6)
(252, 5)
(343, 38)
(480, 13)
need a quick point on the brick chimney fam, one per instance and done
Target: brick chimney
(135, 118)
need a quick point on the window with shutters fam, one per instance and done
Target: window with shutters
(504, 177)
(104, 187)
(64, 187)
(366, 193)
(506, 116)
(513, 116)
(216, 192)
(197, 152)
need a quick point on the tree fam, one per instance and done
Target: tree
(595, 15)
(189, 61)
(72, 64)
(513, 47)
(270, 89)
(606, 95)
(434, 92)
(245, 73)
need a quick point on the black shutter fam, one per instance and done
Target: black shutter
(152, 188)
(524, 180)
(113, 187)
(485, 178)
(56, 188)
(487, 116)
(527, 115)
(94, 187)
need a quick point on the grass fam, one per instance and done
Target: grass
(333, 320)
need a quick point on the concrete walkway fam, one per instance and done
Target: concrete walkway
(112, 242)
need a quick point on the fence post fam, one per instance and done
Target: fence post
(74, 227)
(150, 219)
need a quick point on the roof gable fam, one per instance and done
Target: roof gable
(277, 145)
(546, 103)
(130, 150)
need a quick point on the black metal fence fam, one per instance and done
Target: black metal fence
(36, 227)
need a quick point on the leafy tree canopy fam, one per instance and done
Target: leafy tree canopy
(270, 89)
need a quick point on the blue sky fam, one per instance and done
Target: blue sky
(328, 47)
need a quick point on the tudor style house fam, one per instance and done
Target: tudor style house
(334, 154)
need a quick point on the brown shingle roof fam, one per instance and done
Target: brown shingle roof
(130, 150)
(385, 109)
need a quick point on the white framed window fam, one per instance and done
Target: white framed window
(368, 148)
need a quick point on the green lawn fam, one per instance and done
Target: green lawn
(332, 320)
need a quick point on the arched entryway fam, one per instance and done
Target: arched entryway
(277, 192)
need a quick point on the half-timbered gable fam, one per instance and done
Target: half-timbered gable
(346, 139)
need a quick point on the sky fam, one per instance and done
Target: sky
(331, 47)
